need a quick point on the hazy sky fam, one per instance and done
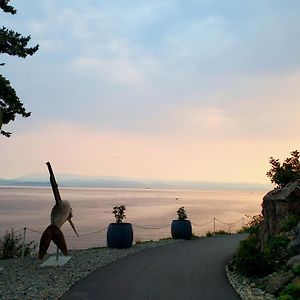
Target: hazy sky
(196, 90)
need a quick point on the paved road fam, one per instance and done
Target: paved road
(186, 271)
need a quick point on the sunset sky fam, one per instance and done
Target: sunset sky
(187, 90)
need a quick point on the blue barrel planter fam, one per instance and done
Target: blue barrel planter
(181, 229)
(119, 235)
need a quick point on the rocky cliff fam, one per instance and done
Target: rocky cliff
(277, 206)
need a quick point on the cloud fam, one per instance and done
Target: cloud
(120, 70)
(185, 71)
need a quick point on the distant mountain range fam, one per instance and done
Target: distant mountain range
(69, 180)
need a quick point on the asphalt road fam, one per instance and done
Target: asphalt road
(188, 270)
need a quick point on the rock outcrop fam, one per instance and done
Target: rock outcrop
(277, 205)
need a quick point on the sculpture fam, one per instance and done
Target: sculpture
(61, 212)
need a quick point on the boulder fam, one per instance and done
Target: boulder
(293, 246)
(276, 282)
(296, 281)
(276, 206)
(294, 262)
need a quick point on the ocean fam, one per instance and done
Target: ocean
(151, 211)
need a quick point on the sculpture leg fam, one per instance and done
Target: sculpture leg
(52, 233)
(59, 240)
(45, 242)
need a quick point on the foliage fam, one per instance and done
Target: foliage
(288, 171)
(139, 242)
(274, 249)
(119, 212)
(166, 238)
(11, 246)
(181, 214)
(194, 236)
(11, 43)
(209, 234)
(7, 8)
(296, 270)
(249, 260)
(221, 232)
(252, 226)
(290, 292)
(290, 222)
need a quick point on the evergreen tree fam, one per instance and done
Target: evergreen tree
(11, 43)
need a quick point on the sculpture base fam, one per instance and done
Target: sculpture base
(55, 261)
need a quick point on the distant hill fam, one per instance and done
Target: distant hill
(69, 180)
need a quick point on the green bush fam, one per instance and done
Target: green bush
(274, 249)
(11, 246)
(290, 222)
(296, 270)
(221, 232)
(286, 297)
(290, 292)
(252, 225)
(249, 260)
(209, 234)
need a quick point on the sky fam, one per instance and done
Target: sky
(179, 90)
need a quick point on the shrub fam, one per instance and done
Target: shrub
(221, 232)
(273, 251)
(290, 222)
(119, 212)
(296, 270)
(11, 246)
(290, 292)
(252, 226)
(209, 234)
(181, 214)
(249, 260)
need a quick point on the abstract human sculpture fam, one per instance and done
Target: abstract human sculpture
(61, 212)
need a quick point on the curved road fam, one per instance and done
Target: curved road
(188, 270)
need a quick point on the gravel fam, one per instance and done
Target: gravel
(246, 289)
(25, 279)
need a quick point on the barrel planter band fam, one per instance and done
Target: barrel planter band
(181, 229)
(119, 235)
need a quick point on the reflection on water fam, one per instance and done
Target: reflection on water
(92, 207)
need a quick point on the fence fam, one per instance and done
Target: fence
(141, 233)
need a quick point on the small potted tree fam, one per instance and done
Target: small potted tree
(119, 234)
(181, 228)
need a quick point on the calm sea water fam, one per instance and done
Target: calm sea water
(92, 207)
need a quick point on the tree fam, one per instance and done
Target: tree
(11, 43)
(289, 171)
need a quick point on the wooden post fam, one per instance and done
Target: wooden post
(214, 225)
(23, 242)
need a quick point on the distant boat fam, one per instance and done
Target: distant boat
(147, 188)
(176, 198)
